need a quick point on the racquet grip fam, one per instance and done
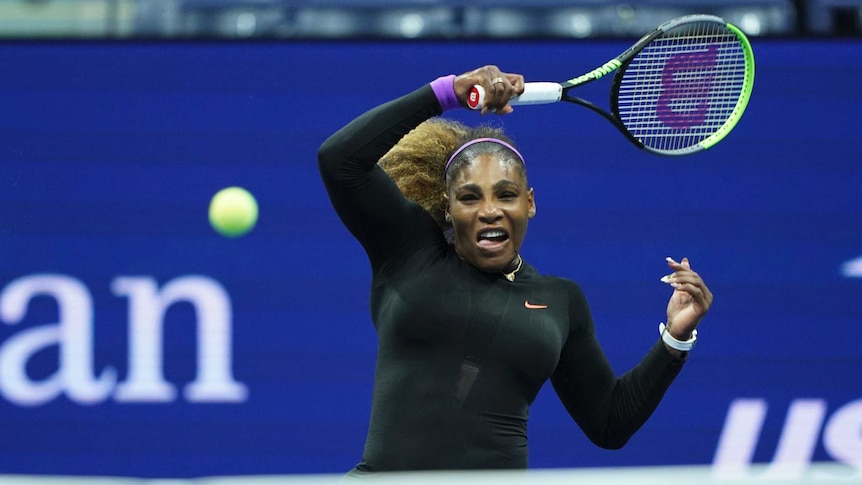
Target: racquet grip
(534, 93)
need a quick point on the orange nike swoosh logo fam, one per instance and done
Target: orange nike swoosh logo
(529, 305)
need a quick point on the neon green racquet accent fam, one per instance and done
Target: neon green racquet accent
(607, 68)
(745, 95)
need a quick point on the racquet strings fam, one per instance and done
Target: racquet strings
(683, 86)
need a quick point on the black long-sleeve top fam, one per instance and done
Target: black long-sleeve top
(463, 353)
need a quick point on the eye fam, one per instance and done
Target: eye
(507, 195)
(468, 198)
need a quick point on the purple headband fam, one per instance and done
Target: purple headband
(480, 140)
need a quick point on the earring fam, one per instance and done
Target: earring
(447, 217)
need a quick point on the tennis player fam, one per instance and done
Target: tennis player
(468, 330)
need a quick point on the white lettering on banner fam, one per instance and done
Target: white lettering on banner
(842, 438)
(73, 334)
(147, 306)
(852, 268)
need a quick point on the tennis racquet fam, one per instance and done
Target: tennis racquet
(679, 90)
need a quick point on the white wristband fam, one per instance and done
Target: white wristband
(682, 346)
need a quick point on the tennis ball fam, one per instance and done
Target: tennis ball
(233, 212)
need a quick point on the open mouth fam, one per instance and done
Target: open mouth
(491, 237)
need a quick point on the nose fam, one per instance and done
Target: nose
(490, 212)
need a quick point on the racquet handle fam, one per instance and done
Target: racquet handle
(534, 93)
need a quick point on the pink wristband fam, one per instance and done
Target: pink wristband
(444, 89)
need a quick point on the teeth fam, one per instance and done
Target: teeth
(492, 234)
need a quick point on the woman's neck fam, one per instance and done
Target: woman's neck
(513, 268)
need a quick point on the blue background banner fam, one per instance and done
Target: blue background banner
(138, 342)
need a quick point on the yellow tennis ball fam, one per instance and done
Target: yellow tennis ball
(233, 212)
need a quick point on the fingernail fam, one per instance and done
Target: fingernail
(666, 278)
(669, 260)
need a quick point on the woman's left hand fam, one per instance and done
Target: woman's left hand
(689, 302)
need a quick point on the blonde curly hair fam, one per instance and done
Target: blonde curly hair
(417, 161)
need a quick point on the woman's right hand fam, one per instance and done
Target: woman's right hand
(499, 87)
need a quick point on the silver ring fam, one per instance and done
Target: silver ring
(497, 80)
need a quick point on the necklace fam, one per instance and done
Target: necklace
(511, 276)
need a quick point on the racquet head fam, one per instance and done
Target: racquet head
(683, 87)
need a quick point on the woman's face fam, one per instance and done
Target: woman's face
(490, 204)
